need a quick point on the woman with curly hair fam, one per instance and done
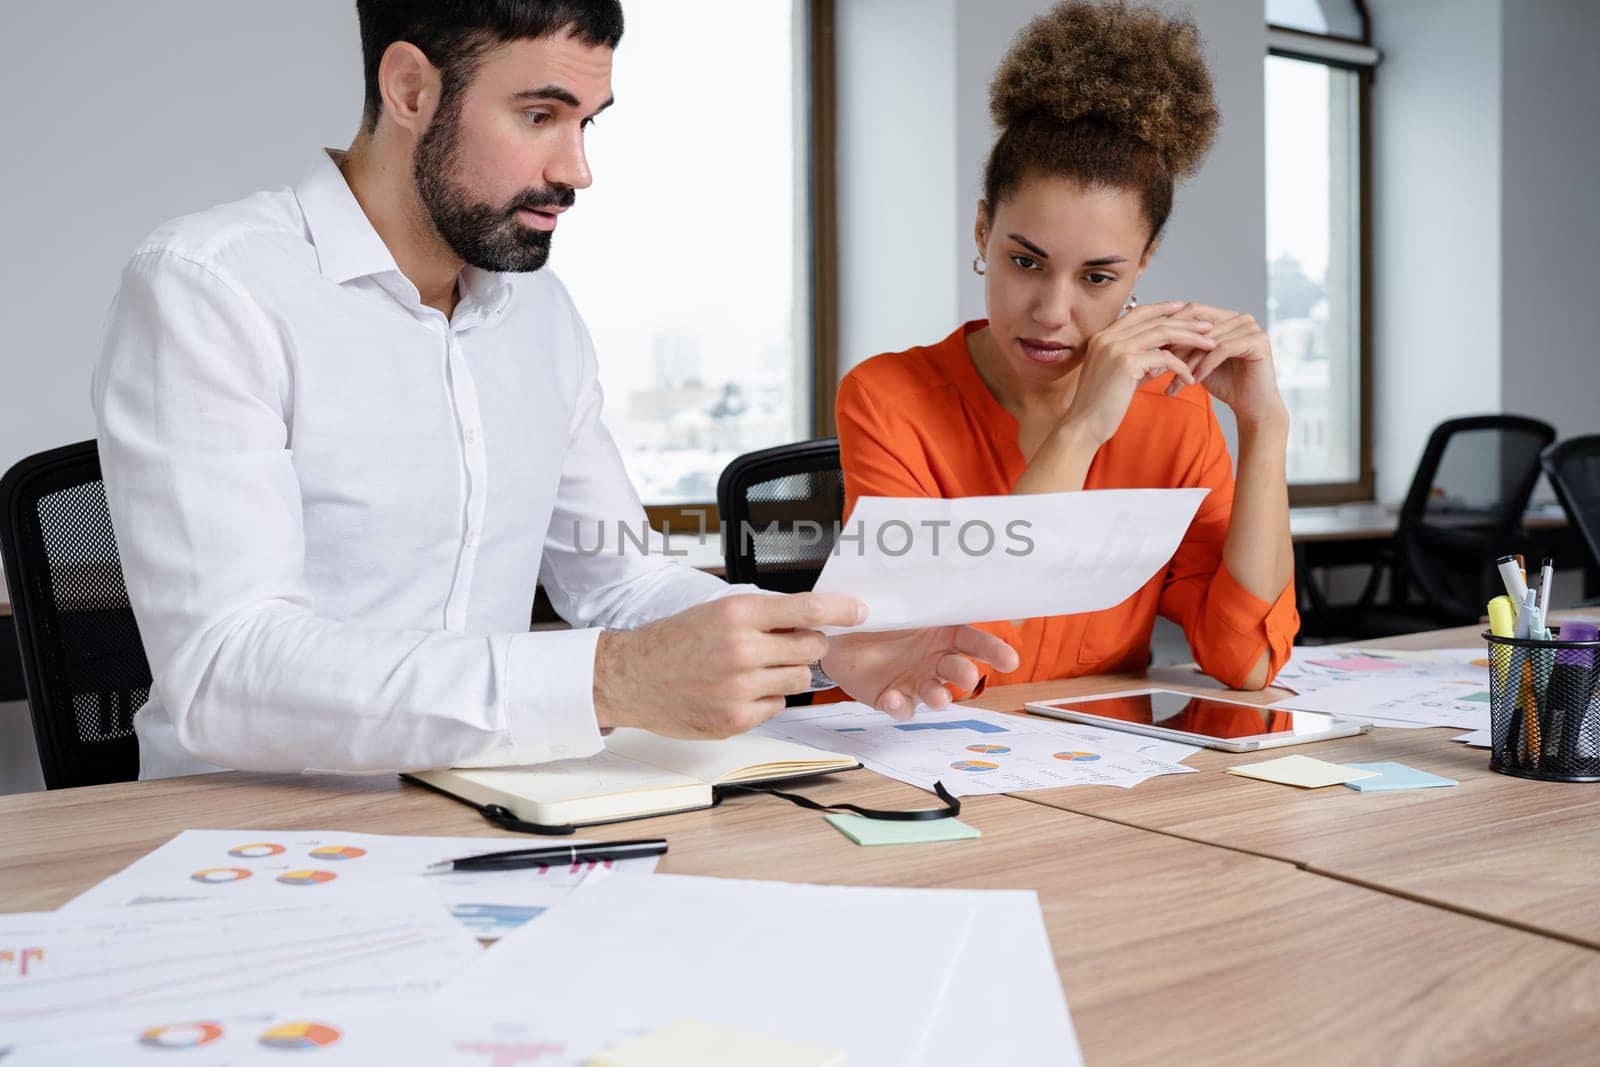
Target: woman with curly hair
(1069, 384)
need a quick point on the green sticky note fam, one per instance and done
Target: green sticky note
(864, 831)
(1395, 776)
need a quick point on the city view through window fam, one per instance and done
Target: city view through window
(688, 256)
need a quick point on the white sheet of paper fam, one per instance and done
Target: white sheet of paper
(975, 752)
(932, 562)
(1007, 972)
(1421, 701)
(110, 970)
(868, 970)
(257, 865)
(1477, 739)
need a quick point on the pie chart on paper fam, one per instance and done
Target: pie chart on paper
(256, 851)
(219, 875)
(338, 852)
(306, 877)
(180, 1035)
(974, 765)
(300, 1035)
(1078, 757)
(996, 749)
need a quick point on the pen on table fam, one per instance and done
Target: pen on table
(1547, 572)
(1516, 588)
(554, 855)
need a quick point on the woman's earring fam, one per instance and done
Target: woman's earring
(977, 266)
(1132, 303)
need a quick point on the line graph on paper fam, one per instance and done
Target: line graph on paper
(143, 959)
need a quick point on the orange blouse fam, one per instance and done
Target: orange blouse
(922, 423)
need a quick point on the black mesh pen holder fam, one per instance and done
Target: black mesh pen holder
(1544, 708)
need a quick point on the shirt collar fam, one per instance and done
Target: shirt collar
(349, 248)
(347, 245)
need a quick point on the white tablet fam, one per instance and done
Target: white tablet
(1194, 719)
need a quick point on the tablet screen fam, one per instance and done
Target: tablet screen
(1206, 716)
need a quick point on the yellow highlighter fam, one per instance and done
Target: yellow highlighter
(1503, 623)
(1502, 617)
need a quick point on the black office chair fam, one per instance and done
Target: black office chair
(780, 508)
(1573, 467)
(82, 661)
(1464, 510)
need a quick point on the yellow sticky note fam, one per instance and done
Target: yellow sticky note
(696, 1044)
(1303, 771)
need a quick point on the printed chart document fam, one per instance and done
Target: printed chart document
(934, 562)
(1313, 668)
(975, 752)
(1405, 702)
(84, 972)
(302, 865)
(882, 974)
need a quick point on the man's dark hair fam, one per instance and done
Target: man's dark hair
(455, 34)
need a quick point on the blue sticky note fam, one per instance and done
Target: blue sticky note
(1394, 776)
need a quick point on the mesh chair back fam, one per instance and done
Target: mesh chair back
(1573, 467)
(780, 511)
(82, 660)
(1465, 506)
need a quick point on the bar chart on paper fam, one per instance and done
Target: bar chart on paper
(973, 751)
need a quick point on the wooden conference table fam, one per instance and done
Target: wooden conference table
(1198, 916)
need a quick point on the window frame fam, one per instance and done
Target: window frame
(823, 267)
(1361, 59)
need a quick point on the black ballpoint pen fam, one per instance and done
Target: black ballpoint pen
(594, 852)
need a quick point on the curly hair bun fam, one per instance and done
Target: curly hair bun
(1140, 69)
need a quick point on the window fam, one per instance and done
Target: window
(694, 256)
(1318, 70)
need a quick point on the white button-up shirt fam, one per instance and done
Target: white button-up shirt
(333, 503)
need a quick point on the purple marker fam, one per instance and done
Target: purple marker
(1573, 690)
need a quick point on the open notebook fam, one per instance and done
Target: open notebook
(638, 774)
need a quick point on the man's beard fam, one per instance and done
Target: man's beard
(481, 235)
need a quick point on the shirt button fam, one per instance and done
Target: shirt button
(472, 437)
(472, 538)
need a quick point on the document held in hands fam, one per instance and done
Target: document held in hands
(920, 562)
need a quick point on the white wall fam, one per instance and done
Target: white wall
(896, 174)
(1436, 235)
(1550, 225)
(118, 118)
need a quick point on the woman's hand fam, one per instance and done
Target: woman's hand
(1131, 351)
(1237, 368)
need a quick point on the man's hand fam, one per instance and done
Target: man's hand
(892, 671)
(717, 669)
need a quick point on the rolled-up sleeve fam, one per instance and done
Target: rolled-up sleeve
(1228, 627)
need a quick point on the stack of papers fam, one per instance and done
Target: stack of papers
(1444, 687)
(976, 752)
(620, 970)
